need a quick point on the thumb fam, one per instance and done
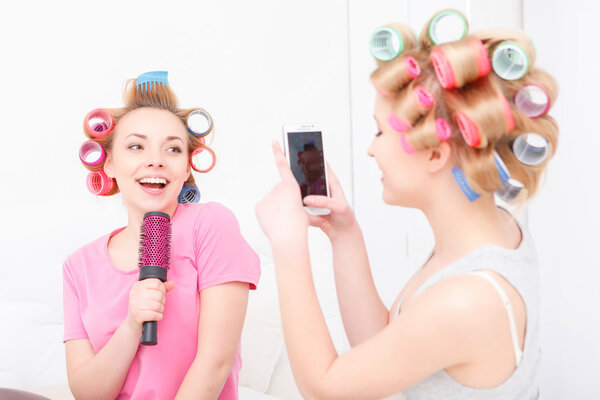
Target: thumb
(169, 285)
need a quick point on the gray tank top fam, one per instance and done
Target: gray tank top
(519, 267)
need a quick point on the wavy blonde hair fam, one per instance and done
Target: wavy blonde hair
(160, 97)
(483, 99)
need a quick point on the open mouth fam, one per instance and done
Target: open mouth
(153, 183)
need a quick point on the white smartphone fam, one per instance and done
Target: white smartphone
(303, 146)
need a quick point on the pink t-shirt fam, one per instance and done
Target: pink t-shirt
(207, 249)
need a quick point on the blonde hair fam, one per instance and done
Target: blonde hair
(484, 98)
(160, 97)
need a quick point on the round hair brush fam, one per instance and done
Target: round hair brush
(155, 239)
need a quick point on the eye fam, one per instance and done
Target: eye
(174, 149)
(378, 133)
(134, 146)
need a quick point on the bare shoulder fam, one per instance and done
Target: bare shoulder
(467, 310)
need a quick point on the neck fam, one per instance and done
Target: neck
(460, 226)
(135, 218)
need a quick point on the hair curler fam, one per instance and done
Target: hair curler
(442, 129)
(189, 194)
(155, 243)
(388, 42)
(445, 26)
(530, 148)
(150, 81)
(503, 171)
(533, 100)
(98, 123)
(457, 64)
(461, 179)
(99, 183)
(203, 159)
(510, 61)
(92, 154)
(409, 109)
(510, 190)
(395, 75)
(199, 122)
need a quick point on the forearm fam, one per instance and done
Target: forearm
(102, 376)
(363, 312)
(205, 378)
(307, 338)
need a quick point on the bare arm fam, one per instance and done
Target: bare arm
(223, 309)
(363, 312)
(112, 362)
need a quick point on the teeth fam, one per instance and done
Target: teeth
(153, 180)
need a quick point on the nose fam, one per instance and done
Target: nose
(155, 160)
(370, 148)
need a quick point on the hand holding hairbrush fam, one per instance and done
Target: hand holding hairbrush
(154, 259)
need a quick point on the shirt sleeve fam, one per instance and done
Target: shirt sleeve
(222, 253)
(74, 328)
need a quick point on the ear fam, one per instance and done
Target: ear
(438, 157)
(188, 171)
(108, 168)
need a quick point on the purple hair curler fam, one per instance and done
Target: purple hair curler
(155, 246)
(91, 153)
(533, 100)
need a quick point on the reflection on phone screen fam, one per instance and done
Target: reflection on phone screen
(307, 162)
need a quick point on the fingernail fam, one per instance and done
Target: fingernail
(308, 200)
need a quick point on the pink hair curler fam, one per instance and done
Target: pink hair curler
(533, 100)
(99, 183)
(424, 96)
(442, 129)
(381, 92)
(413, 66)
(445, 71)
(398, 124)
(91, 153)
(468, 129)
(405, 146)
(199, 161)
(98, 123)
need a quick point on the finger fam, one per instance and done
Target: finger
(334, 184)
(281, 163)
(169, 285)
(333, 204)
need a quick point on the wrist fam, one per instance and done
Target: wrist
(131, 327)
(349, 233)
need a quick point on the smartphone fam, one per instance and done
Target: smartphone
(303, 146)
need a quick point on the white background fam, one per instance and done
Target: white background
(256, 65)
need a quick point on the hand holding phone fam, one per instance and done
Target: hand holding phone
(303, 145)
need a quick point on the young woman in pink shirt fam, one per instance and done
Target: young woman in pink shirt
(145, 155)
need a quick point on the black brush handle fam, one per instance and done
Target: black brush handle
(150, 328)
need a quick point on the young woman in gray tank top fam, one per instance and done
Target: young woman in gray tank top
(460, 120)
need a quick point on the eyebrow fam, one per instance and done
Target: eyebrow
(169, 138)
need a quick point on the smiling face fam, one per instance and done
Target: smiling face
(404, 176)
(149, 159)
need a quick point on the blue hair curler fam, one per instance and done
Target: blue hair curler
(149, 80)
(502, 170)
(189, 194)
(461, 179)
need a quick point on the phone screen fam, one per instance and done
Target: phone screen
(307, 162)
